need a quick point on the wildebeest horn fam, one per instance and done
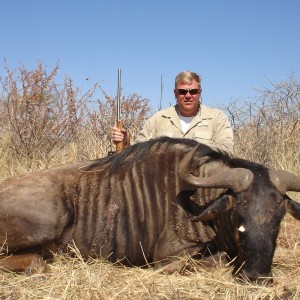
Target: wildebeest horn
(238, 179)
(285, 181)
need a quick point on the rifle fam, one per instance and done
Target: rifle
(126, 141)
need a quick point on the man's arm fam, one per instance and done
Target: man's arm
(223, 133)
(147, 132)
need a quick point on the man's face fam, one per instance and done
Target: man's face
(188, 95)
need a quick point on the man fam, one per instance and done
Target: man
(189, 118)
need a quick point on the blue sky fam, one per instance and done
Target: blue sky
(234, 45)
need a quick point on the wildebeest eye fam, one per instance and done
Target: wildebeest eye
(279, 200)
(241, 228)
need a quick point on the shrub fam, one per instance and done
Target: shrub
(266, 127)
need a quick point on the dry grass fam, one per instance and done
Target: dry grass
(71, 278)
(74, 278)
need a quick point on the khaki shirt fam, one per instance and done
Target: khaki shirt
(210, 126)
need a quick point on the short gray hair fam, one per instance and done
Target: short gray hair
(187, 77)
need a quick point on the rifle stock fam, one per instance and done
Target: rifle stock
(120, 145)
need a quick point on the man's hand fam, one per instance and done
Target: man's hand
(118, 135)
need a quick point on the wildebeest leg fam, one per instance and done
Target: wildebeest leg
(173, 267)
(182, 265)
(167, 256)
(213, 260)
(29, 263)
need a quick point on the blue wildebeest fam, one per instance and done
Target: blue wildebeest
(152, 203)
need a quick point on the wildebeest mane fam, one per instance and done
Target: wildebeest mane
(131, 154)
(137, 151)
(250, 165)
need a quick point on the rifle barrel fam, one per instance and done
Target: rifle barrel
(119, 96)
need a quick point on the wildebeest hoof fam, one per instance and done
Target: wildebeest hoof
(37, 266)
(178, 266)
(28, 263)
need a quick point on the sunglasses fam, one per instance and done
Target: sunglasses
(185, 91)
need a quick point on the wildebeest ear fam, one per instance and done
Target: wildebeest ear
(218, 206)
(293, 208)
